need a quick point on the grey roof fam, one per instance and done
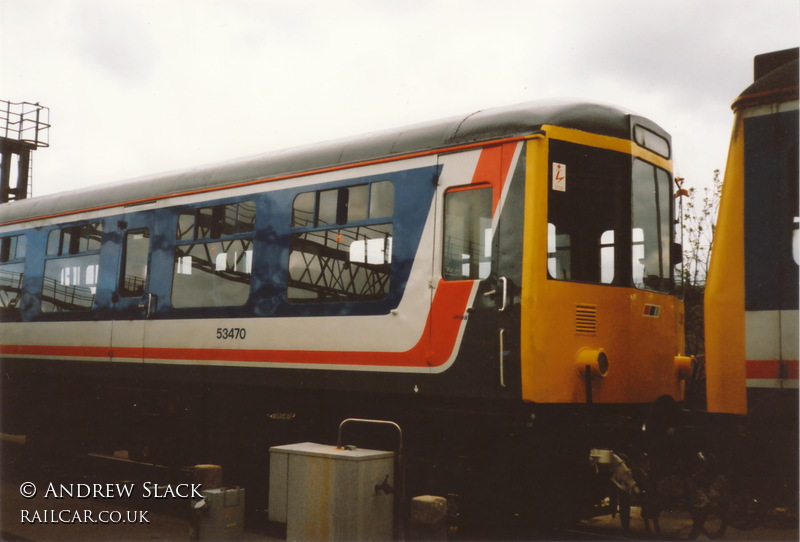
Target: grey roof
(484, 125)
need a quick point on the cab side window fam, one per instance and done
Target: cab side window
(587, 215)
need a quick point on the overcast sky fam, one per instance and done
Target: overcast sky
(137, 87)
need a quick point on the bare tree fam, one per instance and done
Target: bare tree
(699, 215)
(698, 212)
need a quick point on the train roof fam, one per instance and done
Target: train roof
(484, 125)
(775, 80)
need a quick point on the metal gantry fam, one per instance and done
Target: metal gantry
(24, 127)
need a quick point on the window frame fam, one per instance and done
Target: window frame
(666, 239)
(480, 267)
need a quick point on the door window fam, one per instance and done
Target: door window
(467, 233)
(134, 267)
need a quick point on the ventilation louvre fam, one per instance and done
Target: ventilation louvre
(585, 318)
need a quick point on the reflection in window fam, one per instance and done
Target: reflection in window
(332, 206)
(10, 285)
(74, 239)
(338, 206)
(467, 234)
(70, 284)
(303, 209)
(652, 234)
(558, 251)
(637, 244)
(214, 273)
(217, 221)
(341, 264)
(381, 200)
(12, 248)
(607, 257)
(134, 266)
(72, 268)
(374, 251)
(12, 267)
(347, 253)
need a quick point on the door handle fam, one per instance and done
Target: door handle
(147, 304)
(504, 282)
(502, 357)
(503, 291)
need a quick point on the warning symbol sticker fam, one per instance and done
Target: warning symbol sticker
(559, 177)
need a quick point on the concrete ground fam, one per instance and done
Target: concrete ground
(107, 516)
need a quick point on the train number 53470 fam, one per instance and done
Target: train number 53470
(231, 333)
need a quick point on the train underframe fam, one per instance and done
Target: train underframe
(499, 462)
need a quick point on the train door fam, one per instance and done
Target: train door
(133, 302)
(482, 256)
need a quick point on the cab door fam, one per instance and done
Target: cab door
(481, 255)
(133, 302)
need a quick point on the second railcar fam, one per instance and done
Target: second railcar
(751, 300)
(752, 293)
(500, 284)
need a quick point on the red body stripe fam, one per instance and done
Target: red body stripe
(492, 168)
(771, 369)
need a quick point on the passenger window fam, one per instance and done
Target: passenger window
(346, 254)
(72, 268)
(186, 222)
(12, 248)
(381, 199)
(214, 256)
(74, 239)
(467, 233)
(303, 210)
(332, 207)
(12, 268)
(357, 202)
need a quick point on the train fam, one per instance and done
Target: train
(501, 285)
(751, 299)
